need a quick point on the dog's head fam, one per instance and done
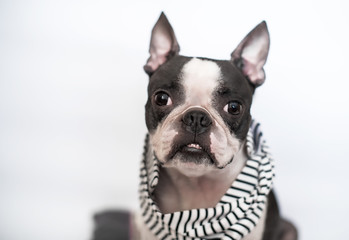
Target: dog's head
(198, 109)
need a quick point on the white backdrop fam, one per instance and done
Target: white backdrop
(72, 95)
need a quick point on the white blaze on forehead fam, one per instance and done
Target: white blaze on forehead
(200, 78)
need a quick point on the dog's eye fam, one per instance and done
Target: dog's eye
(233, 108)
(162, 99)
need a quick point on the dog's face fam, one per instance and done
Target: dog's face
(198, 110)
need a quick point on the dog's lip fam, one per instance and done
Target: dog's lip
(194, 148)
(194, 145)
(191, 147)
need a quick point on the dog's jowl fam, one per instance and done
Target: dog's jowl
(207, 172)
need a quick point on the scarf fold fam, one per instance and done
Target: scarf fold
(235, 215)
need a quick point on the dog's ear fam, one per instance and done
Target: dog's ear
(251, 54)
(163, 45)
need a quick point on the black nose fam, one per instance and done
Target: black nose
(196, 121)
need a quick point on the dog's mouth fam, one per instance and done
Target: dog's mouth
(192, 153)
(193, 147)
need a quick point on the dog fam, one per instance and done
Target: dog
(201, 144)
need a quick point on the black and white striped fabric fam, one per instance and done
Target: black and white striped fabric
(236, 214)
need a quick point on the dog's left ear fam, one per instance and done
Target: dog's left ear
(251, 54)
(163, 45)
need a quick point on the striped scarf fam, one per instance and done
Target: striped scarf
(235, 215)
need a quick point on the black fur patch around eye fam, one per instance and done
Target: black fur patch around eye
(234, 86)
(165, 78)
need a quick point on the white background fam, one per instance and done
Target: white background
(72, 95)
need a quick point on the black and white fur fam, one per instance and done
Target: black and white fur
(198, 116)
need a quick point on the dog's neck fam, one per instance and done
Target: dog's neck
(177, 192)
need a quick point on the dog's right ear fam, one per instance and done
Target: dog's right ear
(163, 45)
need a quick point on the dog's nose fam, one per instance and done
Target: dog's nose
(196, 121)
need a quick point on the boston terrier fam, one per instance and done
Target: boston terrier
(207, 172)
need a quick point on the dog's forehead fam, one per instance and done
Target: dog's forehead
(195, 80)
(200, 77)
